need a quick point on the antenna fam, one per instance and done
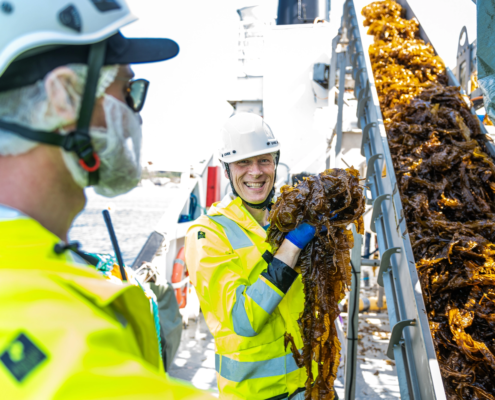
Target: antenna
(115, 243)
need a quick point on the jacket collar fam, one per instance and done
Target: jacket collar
(30, 247)
(231, 206)
(8, 213)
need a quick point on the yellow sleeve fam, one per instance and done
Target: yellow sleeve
(216, 271)
(55, 344)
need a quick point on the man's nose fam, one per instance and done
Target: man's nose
(255, 170)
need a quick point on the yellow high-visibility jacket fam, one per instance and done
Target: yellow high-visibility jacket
(68, 333)
(247, 303)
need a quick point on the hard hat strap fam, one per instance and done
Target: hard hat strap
(96, 59)
(271, 195)
(73, 141)
(78, 141)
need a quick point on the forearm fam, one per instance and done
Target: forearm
(263, 296)
(288, 253)
(280, 271)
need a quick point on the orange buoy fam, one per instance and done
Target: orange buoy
(179, 273)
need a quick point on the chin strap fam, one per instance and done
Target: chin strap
(271, 195)
(79, 140)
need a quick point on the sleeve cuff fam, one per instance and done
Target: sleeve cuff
(280, 274)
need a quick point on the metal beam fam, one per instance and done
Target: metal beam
(342, 66)
(367, 262)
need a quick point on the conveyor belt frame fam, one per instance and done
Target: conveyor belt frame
(411, 345)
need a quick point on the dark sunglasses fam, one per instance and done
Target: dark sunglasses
(136, 91)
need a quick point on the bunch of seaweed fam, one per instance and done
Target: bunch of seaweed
(447, 184)
(330, 201)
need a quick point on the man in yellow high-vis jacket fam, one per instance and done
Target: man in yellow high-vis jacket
(66, 332)
(248, 296)
(69, 119)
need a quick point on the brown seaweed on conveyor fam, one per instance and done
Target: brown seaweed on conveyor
(330, 201)
(446, 181)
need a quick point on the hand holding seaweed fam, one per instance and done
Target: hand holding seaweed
(332, 200)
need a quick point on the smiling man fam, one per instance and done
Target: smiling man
(248, 296)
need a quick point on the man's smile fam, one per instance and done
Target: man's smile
(254, 185)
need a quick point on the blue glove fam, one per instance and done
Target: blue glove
(302, 235)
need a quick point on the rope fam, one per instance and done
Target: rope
(156, 317)
(180, 284)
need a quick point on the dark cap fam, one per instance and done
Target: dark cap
(28, 69)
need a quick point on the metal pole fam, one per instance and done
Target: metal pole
(331, 94)
(342, 66)
(381, 293)
(353, 318)
(374, 262)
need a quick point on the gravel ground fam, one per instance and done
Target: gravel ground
(376, 376)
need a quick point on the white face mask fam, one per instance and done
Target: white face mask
(119, 149)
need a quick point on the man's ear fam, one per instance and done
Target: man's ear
(225, 172)
(61, 86)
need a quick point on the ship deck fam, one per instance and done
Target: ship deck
(376, 376)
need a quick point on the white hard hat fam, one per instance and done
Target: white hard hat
(38, 36)
(246, 135)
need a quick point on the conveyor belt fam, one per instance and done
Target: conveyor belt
(411, 343)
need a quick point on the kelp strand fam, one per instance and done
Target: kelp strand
(330, 201)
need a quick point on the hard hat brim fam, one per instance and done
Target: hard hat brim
(28, 69)
(234, 157)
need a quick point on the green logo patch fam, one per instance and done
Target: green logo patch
(201, 235)
(21, 357)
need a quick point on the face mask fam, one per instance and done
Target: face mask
(119, 149)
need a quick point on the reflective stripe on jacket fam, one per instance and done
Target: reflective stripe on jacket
(246, 309)
(66, 332)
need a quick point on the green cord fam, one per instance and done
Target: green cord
(156, 317)
(105, 266)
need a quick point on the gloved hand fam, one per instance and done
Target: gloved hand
(302, 235)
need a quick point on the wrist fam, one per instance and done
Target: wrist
(288, 253)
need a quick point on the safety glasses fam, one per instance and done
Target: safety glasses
(136, 94)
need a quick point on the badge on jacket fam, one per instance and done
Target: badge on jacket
(201, 235)
(21, 357)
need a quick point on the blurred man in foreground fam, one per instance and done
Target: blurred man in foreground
(69, 119)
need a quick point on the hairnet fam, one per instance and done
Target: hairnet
(29, 106)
